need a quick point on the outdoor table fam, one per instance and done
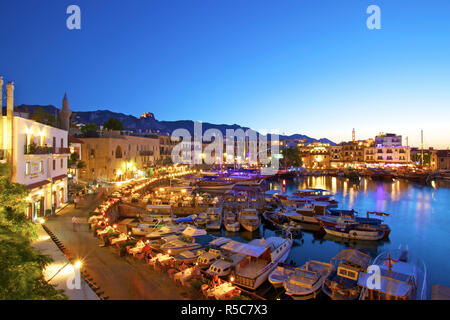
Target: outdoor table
(220, 292)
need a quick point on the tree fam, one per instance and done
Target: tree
(291, 157)
(113, 124)
(89, 130)
(21, 265)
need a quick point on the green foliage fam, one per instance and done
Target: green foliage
(89, 130)
(20, 265)
(291, 157)
(113, 124)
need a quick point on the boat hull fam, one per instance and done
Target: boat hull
(356, 234)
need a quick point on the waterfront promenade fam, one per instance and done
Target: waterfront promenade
(118, 277)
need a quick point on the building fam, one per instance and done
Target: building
(75, 146)
(443, 160)
(37, 154)
(315, 155)
(165, 149)
(388, 140)
(116, 157)
(388, 149)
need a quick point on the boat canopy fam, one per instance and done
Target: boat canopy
(193, 232)
(231, 246)
(220, 241)
(303, 278)
(354, 256)
(387, 285)
(250, 250)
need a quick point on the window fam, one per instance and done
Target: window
(62, 163)
(41, 166)
(27, 168)
(118, 152)
(92, 153)
(54, 164)
(62, 143)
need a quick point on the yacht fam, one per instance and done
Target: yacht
(402, 277)
(355, 231)
(231, 222)
(261, 258)
(228, 260)
(249, 219)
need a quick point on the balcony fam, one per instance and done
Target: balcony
(146, 153)
(34, 149)
(61, 150)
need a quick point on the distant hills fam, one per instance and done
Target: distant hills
(147, 122)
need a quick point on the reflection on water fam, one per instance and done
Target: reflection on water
(420, 218)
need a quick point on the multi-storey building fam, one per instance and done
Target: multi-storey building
(116, 157)
(37, 154)
(315, 155)
(443, 160)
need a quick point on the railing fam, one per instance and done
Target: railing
(61, 150)
(33, 149)
(146, 153)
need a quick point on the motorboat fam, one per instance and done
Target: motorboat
(191, 239)
(342, 284)
(165, 231)
(282, 222)
(143, 229)
(306, 282)
(231, 222)
(355, 231)
(201, 219)
(225, 265)
(281, 274)
(214, 219)
(261, 258)
(249, 219)
(188, 256)
(403, 276)
(208, 258)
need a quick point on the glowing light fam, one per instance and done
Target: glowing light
(78, 264)
(41, 221)
(231, 278)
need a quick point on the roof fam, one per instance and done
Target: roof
(354, 256)
(250, 250)
(387, 285)
(73, 139)
(232, 245)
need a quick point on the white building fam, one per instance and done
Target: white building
(38, 155)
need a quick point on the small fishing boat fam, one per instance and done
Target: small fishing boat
(249, 219)
(214, 219)
(143, 229)
(225, 265)
(342, 284)
(165, 231)
(208, 258)
(191, 239)
(403, 276)
(355, 231)
(282, 222)
(281, 274)
(307, 281)
(231, 222)
(188, 256)
(201, 219)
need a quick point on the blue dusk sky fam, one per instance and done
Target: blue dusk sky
(296, 66)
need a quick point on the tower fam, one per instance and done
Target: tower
(65, 114)
(353, 135)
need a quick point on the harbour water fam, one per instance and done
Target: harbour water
(419, 218)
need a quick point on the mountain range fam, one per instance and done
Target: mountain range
(147, 122)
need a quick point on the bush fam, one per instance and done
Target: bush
(48, 212)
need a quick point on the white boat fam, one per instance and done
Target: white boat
(261, 258)
(214, 218)
(143, 229)
(306, 282)
(355, 231)
(280, 274)
(191, 239)
(165, 231)
(231, 222)
(188, 256)
(225, 265)
(205, 260)
(403, 276)
(249, 219)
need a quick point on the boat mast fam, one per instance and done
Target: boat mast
(421, 134)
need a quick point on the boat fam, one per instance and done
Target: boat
(342, 284)
(215, 185)
(355, 231)
(191, 239)
(205, 260)
(201, 219)
(306, 282)
(165, 231)
(282, 222)
(281, 274)
(403, 276)
(261, 258)
(214, 219)
(143, 229)
(225, 265)
(231, 222)
(188, 256)
(249, 219)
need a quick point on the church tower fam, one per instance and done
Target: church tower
(65, 114)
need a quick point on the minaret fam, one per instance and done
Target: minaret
(65, 114)
(353, 135)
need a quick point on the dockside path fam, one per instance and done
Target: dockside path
(121, 278)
